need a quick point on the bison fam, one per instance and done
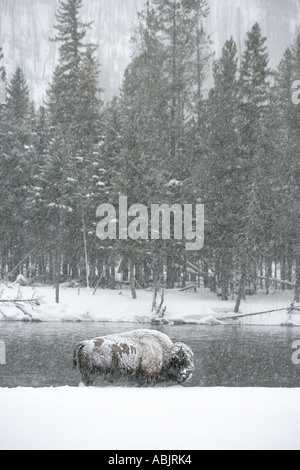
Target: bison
(142, 357)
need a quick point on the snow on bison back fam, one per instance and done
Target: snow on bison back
(143, 357)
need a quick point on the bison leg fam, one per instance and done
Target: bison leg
(88, 378)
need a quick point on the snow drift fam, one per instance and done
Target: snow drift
(139, 419)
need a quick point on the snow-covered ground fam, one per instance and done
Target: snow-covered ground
(156, 418)
(118, 306)
(140, 419)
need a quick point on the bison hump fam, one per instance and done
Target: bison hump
(155, 350)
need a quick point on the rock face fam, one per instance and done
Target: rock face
(25, 27)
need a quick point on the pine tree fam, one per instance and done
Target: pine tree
(3, 130)
(71, 32)
(66, 105)
(289, 115)
(88, 129)
(144, 118)
(111, 149)
(174, 30)
(254, 95)
(1, 58)
(15, 173)
(2, 79)
(221, 175)
(295, 127)
(134, 179)
(37, 229)
(2, 69)
(110, 170)
(184, 40)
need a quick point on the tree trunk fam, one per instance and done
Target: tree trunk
(112, 275)
(184, 272)
(147, 273)
(93, 275)
(297, 222)
(290, 266)
(269, 275)
(283, 274)
(132, 280)
(57, 273)
(174, 88)
(225, 276)
(125, 270)
(155, 292)
(87, 274)
(261, 272)
(205, 274)
(297, 286)
(241, 293)
(156, 284)
(170, 282)
(139, 272)
(58, 254)
(107, 273)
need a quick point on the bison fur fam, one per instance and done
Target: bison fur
(143, 357)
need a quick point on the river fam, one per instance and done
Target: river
(40, 354)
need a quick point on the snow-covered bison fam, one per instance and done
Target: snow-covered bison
(143, 357)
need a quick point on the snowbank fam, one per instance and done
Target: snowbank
(199, 308)
(162, 418)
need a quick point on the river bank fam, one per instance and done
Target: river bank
(200, 307)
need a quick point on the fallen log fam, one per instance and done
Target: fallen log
(193, 267)
(19, 264)
(184, 289)
(279, 281)
(236, 316)
(33, 302)
(20, 305)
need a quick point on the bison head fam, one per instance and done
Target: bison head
(182, 363)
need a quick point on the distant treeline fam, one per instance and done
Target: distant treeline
(163, 140)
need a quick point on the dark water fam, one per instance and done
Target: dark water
(40, 354)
